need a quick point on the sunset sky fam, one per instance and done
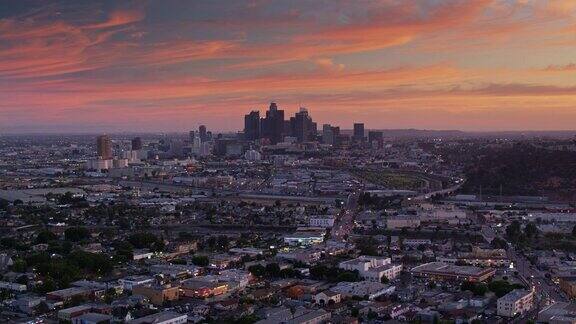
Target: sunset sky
(168, 65)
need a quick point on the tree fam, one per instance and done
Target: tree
(23, 280)
(200, 260)
(4, 204)
(372, 315)
(124, 251)
(222, 243)
(247, 319)
(93, 263)
(48, 285)
(531, 231)
(42, 308)
(477, 288)
(289, 273)
(499, 243)
(367, 246)
(110, 295)
(257, 270)
(76, 234)
(384, 280)
(19, 265)
(354, 312)
(319, 271)
(501, 288)
(273, 269)
(45, 237)
(146, 240)
(513, 230)
(348, 276)
(11, 243)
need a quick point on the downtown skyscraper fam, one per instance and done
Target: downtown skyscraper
(252, 126)
(272, 126)
(104, 147)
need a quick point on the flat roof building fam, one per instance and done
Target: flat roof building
(446, 271)
(518, 301)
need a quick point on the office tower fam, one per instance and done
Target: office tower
(205, 149)
(192, 136)
(272, 125)
(176, 148)
(287, 128)
(252, 126)
(136, 144)
(104, 147)
(375, 136)
(336, 134)
(196, 143)
(327, 134)
(202, 133)
(358, 131)
(303, 128)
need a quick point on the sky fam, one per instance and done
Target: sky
(171, 65)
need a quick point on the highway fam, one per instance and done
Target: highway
(441, 192)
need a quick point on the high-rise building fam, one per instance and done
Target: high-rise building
(358, 131)
(272, 125)
(375, 136)
(196, 143)
(327, 134)
(191, 136)
(136, 144)
(104, 147)
(252, 126)
(202, 133)
(336, 134)
(303, 128)
(330, 134)
(176, 147)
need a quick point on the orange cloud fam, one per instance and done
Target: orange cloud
(396, 61)
(561, 68)
(119, 18)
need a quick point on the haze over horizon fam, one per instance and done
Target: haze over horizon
(162, 66)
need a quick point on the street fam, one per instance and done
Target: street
(546, 292)
(345, 220)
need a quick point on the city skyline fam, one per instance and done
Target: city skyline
(151, 66)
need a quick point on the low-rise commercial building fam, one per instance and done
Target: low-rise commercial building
(322, 221)
(515, 302)
(167, 317)
(568, 285)
(327, 297)
(364, 289)
(157, 294)
(304, 238)
(65, 295)
(372, 268)
(128, 283)
(446, 271)
(403, 221)
(203, 289)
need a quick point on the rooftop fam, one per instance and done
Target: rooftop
(446, 268)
